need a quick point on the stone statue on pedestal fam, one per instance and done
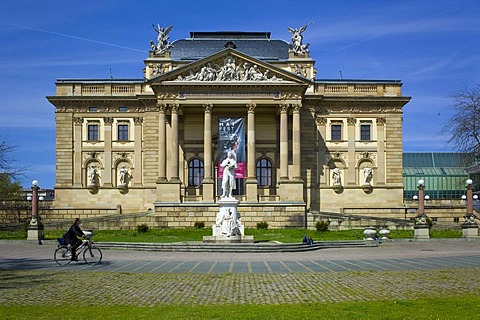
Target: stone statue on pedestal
(337, 180)
(367, 175)
(92, 175)
(228, 180)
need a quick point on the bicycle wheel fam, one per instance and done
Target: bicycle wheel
(92, 255)
(63, 255)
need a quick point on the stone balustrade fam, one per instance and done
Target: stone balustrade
(352, 88)
(85, 88)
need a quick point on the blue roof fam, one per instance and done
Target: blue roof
(255, 44)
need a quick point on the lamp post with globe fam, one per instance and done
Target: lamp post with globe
(421, 228)
(469, 227)
(35, 228)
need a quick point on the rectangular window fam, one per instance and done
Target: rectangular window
(123, 132)
(365, 132)
(93, 132)
(92, 109)
(122, 109)
(336, 132)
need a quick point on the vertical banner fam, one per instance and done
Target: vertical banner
(231, 133)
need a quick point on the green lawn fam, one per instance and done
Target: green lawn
(194, 234)
(458, 307)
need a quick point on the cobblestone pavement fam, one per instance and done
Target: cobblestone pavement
(400, 270)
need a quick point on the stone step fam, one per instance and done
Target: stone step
(260, 247)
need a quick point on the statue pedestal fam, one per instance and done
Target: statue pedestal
(421, 231)
(35, 231)
(228, 227)
(470, 230)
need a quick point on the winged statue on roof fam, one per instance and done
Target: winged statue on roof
(296, 44)
(163, 45)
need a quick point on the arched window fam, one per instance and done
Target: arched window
(195, 172)
(264, 172)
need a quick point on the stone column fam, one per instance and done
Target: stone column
(322, 149)
(138, 165)
(283, 142)
(350, 174)
(207, 144)
(77, 151)
(174, 143)
(296, 174)
(208, 183)
(107, 173)
(380, 179)
(162, 143)
(251, 183)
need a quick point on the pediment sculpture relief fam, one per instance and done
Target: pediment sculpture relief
(229, 71)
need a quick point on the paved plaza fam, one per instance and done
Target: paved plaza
(393, 270)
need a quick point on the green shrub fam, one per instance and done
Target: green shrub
(430, 223)
(142, 228)
(321, 226)
(199, 225)
(262, 225)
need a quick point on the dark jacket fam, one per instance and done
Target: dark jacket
(72, 233)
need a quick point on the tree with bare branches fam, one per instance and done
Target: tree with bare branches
(464, 126)
(10, 188)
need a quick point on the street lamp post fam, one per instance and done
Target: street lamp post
(421, 228)
(469, 227)
(35, 228)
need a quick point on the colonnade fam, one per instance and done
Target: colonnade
(172, 150)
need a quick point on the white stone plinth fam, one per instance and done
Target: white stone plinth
(422, 232)
(35, 230)
(228, 227)
(470, 231)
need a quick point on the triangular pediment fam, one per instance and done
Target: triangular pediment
(229, 65)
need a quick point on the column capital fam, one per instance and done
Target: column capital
(78, 120)
(138, 120)
(321, 121)
(108, 120)
(283, 108)
(175, 107)
(381, 121)
(296, 107)
(162, 107)
(251, 107)
(351, 121)
(208, 108)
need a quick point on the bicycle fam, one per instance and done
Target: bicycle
(91, 254)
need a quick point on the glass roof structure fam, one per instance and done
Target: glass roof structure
(443, 172)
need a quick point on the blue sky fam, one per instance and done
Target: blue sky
(432, 46)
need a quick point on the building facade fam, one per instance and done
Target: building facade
(302, 144)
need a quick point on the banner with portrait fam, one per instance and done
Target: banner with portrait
(231, 133)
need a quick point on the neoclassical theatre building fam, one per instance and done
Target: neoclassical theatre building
(302, 145)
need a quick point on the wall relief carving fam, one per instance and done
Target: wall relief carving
(229, 70)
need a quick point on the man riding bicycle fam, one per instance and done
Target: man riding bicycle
(71, 238)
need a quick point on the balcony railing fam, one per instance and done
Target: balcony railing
(78, 88)
(376, 89)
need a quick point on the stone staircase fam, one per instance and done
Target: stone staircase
(257, 247)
